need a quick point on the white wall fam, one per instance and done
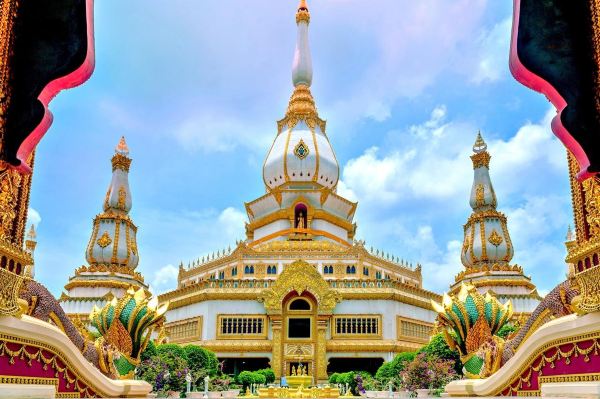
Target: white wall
(388, 310)
(271, 228)
(209, 311)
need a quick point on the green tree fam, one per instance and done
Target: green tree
(269, 375)
(259, 378)
(200, 358)
(173, 349)
(245, 378)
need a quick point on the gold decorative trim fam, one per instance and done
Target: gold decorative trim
(481, 159)
(10, 286)
(120, 161)
(55, 354)
(301, 150)
(574, 339)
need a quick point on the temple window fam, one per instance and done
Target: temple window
(272, 269)
(222, 275)
(350, 269)
(413, 330)
(249, 269)
(234, 271)
(3, 262)
(229, 325)
(328, 269)
(184, 330)
(366, 271)
(378, 275)
(356, 325)
(300, 212)
(299, 327)
(300, 304)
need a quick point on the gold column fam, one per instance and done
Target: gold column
(321, 350)
(276, 361)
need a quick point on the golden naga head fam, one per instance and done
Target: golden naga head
(469, 319)
(127, 324)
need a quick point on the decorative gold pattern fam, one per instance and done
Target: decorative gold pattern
(10, 285)
(299, 277)
(495, 239)
(122, 198)
(591, 189)
(105, 240)
(301, 107)
(518, 378)
(120, 162)
(588, 300)
(479, 195)
(301, 150)
(246, 326)
(70, 373)
(481, 159)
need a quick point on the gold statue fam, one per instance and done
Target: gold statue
(293, 370)
(301, 222)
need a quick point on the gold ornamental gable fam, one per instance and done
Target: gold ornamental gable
(299, 277)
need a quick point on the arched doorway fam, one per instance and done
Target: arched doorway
(299, 330)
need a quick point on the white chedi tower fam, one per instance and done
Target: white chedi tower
(301, 171)
(487, 248)
(111, 253)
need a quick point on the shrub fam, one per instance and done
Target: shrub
(170, 349)
(149, 351)
(427, 373)
(245, 378)
(269, 375)
(165, 373)
(259, 378)
(438, 347)
(333, 378)
(199, 358)
(389, 370)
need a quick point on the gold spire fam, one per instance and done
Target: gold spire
(481, 156)
(301, 107)
(302, 14)
(121, 160)
(31, 234)
(479, 145)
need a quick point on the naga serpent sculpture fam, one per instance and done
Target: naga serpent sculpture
(470, 322)
(125, 326)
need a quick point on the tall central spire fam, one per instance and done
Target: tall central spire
(302, 66)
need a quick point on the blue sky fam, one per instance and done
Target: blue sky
(196, 88)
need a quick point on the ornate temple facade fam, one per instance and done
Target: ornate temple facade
(487, 248)
(111, 253)
(300, 288)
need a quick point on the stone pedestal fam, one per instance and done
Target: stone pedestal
(571, 390)
(27, 391)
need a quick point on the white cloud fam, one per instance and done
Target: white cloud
(493, 53)
(33, 217)
(164, 279)
(210, 132)
(424, 179)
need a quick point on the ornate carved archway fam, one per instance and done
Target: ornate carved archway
(297, 279)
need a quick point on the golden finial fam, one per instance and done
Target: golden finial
(479, 145)
(122, 147)
(302, 14)
(31, 234)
